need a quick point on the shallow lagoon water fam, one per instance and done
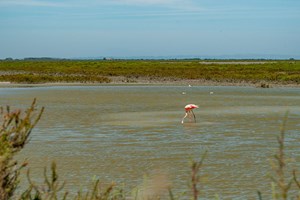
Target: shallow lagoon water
(121, 133)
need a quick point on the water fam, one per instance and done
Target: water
(121, 133)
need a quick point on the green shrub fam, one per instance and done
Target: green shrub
(14, 132)
(99, 71)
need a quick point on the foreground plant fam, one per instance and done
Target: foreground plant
(195, 178)
(49, 190)
(279, 168)
(52, 189)
(281, 183)
(14, 133)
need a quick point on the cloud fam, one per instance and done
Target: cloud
(30, 3)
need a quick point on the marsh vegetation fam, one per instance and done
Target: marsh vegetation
(105, 71)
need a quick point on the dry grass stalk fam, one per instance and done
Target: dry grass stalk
(14, 133)
(196, 166)
(280, 166)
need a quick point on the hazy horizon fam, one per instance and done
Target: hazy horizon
(179, 57)
(150, 28)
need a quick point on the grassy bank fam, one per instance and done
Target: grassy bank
(105, 71)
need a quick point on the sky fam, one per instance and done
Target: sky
(150, 28)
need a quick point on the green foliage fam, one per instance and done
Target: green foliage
(14, 132)
(52, 189)
(44, 78)
(49, 190)
(101, 71)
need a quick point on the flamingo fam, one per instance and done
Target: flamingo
(188, 111)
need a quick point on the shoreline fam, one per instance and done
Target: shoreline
(120, 80)
(258, 73)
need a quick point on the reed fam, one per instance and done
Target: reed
(14, 133)
(283, 179)
(195, 178)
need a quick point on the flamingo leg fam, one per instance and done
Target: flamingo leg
(186, 114)
(194, 116)
(190, 116)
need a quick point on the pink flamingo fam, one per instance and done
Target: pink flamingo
(188, 111)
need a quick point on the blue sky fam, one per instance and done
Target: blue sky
(137, 28)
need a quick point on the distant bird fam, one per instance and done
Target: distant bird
(189, 111)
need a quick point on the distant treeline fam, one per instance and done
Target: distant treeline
(145, 58)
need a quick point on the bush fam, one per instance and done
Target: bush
(14, 132)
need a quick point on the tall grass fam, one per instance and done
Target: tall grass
(283, 179)
(14, 133)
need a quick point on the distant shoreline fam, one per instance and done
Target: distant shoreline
(120, 80)
(254, 73)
